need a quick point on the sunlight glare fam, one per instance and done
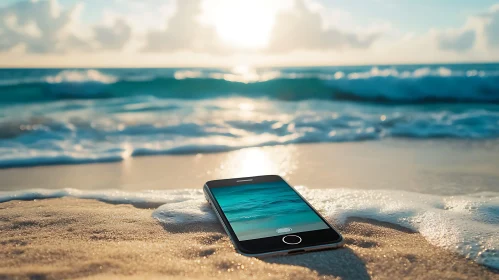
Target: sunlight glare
(245, 24)
(259, 161)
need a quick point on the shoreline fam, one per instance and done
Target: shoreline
(69, 238)
(456, 167)
(397, 141)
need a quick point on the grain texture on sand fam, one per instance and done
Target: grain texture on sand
(69, 238)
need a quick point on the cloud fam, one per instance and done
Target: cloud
(302, 29)
(44, 27)
(459, 41)
(184, 32)
(113, 37)
(491, 29)
(296, 29)
(479, 33)
(306, 28)
(41, 26)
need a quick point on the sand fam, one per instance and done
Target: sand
(74, 238)
(443, 167)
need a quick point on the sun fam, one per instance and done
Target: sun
(244, 24)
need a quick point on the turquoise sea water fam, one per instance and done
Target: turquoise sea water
(260, 210)
(65, 116)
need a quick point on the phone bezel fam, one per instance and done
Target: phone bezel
(312, 240)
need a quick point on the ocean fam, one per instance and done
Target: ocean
(68, 116)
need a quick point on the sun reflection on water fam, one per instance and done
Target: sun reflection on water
(259, 161)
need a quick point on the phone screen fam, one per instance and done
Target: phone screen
(265, 210)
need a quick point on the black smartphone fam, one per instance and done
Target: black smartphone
(265, 216)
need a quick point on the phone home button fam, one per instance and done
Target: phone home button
(291, 239)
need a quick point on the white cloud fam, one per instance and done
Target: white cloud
(303, 29)
(44, 27)
(297, 28)
(480, 33)
(39, 25)
(184, 31)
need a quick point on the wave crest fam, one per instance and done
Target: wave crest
(424, 84)
(83, 76)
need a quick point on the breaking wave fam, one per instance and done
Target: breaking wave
(377, 84)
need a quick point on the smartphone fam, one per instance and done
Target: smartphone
(265, 216)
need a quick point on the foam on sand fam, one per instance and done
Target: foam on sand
(465, 224)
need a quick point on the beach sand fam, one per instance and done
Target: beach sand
(73, 238)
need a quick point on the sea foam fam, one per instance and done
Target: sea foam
(87, 131)
(465, 224)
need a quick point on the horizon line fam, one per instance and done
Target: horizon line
(253, 66)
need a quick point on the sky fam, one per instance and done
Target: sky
(214, 33)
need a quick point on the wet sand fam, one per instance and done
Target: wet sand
(443, 167)
(73, 238)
